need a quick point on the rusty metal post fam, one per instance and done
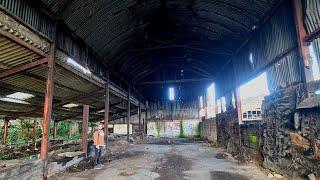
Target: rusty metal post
(85, 119)
(35, 125)
(106, 110)
(145, 127)
(5, 131)
(239, 110)
(55, 129)
(139, 111)
(128, 116)
(302, 34)
(47, 110)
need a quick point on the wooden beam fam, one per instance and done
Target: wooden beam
(22, 68)
(302, 34)
(47, 111)
(85, 119)
(5, 131)
(106, 110)
(128, 116)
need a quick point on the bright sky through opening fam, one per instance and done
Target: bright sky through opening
(256, 87)
(171, 94)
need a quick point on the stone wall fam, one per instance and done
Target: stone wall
(228, 131)
(290, 134)
(209, 130)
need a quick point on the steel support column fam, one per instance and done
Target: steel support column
(85, 119)
(5, 131)
(139, 111)
(302, 34)
(35, 125)
(47, 110)
(55, 129)
(239, 110)
(106, 110)
(128, 116)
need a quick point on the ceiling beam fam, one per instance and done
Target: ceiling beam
(174, 81)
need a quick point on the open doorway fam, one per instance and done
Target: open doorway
(252, 94)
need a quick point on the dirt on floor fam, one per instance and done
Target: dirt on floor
(167, 159)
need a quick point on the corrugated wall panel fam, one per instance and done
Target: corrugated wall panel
(312, 22)
(275, 37)
(30, 15)
(285, 72)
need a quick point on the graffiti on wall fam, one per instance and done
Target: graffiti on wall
(186, 128)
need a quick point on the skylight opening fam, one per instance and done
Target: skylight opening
(251, 58)
(78, 66)
(17, 97)
(70, 105)
(171, 93)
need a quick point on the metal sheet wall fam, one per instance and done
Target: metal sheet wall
(312, 23)
(80, 52)
(285, 72)
(275, 37)
(26, 11)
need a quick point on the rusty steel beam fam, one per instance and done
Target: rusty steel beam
(47, 111)
(302, 34)
(139, 111)
(22, 68)
(55, 129)
(238, 101)
(85, 119)
(5, 131)
(128, 116)
(313, 35)
(22, 43)
(106, 110)
(35, 125)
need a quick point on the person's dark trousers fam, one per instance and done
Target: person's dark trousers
(97, 155)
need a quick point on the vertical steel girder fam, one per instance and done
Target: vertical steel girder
(5, 131)
(239, 110)
(139, 111)
(35, 125)
(47, 111)
(106, 110)
(128, 116)
(85, 119)
(302, 34)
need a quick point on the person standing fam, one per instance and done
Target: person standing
(99, 144)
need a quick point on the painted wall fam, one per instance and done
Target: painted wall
(183, 128)
(120, 128)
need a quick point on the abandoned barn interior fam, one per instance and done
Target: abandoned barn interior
(238, 77)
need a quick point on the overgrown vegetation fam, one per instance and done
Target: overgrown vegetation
(181, 135)
(158, 127)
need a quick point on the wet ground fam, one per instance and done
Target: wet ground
(168, 159)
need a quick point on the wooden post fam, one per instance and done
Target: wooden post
(106, 110)
(55, 130)
(5, 131)
(139, 111)
(302, 34)
(85, 119)
(47, 110)
(35, 125)
(128, 116)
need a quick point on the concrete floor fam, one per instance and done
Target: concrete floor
(171, 159)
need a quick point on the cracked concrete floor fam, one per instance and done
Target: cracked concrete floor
(171, 159)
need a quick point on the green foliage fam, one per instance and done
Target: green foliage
(181, 135)
(158, 127)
